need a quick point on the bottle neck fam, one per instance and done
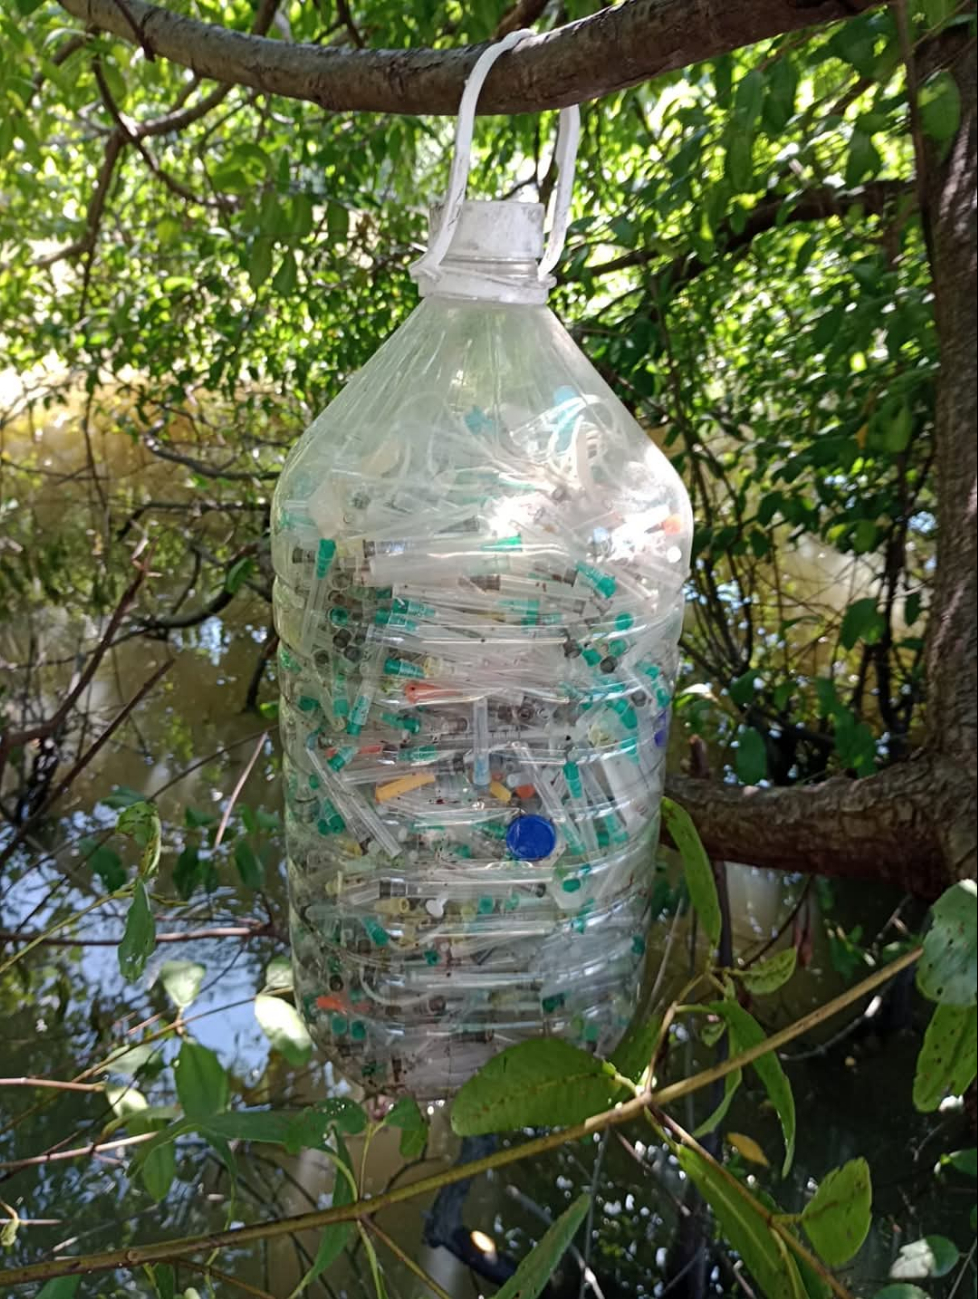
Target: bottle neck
(515, 282)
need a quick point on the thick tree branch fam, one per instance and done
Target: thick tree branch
(610, 50)
(882, 828)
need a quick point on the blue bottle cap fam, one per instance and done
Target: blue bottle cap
(531, 838)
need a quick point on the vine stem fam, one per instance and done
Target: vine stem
(162, 1251)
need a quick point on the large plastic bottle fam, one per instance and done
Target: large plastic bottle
(480, 560)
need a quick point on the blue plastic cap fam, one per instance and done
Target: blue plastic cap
(531, 838)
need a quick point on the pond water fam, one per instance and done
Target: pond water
(191, 745)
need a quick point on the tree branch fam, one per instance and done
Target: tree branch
(883, 828)
(812, 205)
(952, 641)
(607, 51)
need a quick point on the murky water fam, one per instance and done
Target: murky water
(188, 746)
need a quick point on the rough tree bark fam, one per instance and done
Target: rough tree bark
(948, 196)
(610, 50)
(912, 825)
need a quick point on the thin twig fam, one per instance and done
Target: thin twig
(261, 929)
(80, 1152)
(406, 1259)
(237, 790)
(209, 1271)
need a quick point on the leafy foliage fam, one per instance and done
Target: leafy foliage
(837, 1218)
(542, 1082)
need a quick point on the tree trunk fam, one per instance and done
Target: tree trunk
(948, 197)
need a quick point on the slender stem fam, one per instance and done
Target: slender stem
(237, 790)
(226, 1277)
(159, 1251)
(79, 1152)
(59, 925)
(408, 1262)
(52, 1082)
(674, 1091)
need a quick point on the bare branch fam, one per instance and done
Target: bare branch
(610, 50)
(96, 207)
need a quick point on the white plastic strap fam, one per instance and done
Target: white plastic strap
(566, 154)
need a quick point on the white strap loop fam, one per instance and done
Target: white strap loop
(566, 154)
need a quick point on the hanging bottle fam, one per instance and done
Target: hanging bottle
(480, 559)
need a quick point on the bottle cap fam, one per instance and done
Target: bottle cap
(531, 838)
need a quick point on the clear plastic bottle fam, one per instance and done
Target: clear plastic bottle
(480, 560)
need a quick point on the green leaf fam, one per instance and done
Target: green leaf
(187, 872)
(271, 1127)
(749, 96)
(141, 821)
(948, 1059)
(139, 937)
(8, 1233)
(336, 1234)
(122, 796)
(898, 431)
(838, 1216)
(539, 1266)
(61, 1287)
(750, 762)
(738, 164)
(769, 975)
(861, 621)
(541, 1083)
(286, 276)
(406, 1115)
(260, 261)
(158, 1170)
(940, 106)
(126, 1101)
(863, 160)
(249, 865)
(182, 980)
(202, 1082)
(948, 970)
(930, 1256)
(697, 869)
(745, 1032)
(129, 1062)
(779, 106)
(743, 1222)
(164, 1281)
(901, 1291)
(312, 1128)
(278, 974)
(282, 1026)
(632, 1055)
(742, 689)
(194, 819)
(911, 608)
(106, 864)
(964, 1161)
(731, 1085)
(337, 222)
(238, 574)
